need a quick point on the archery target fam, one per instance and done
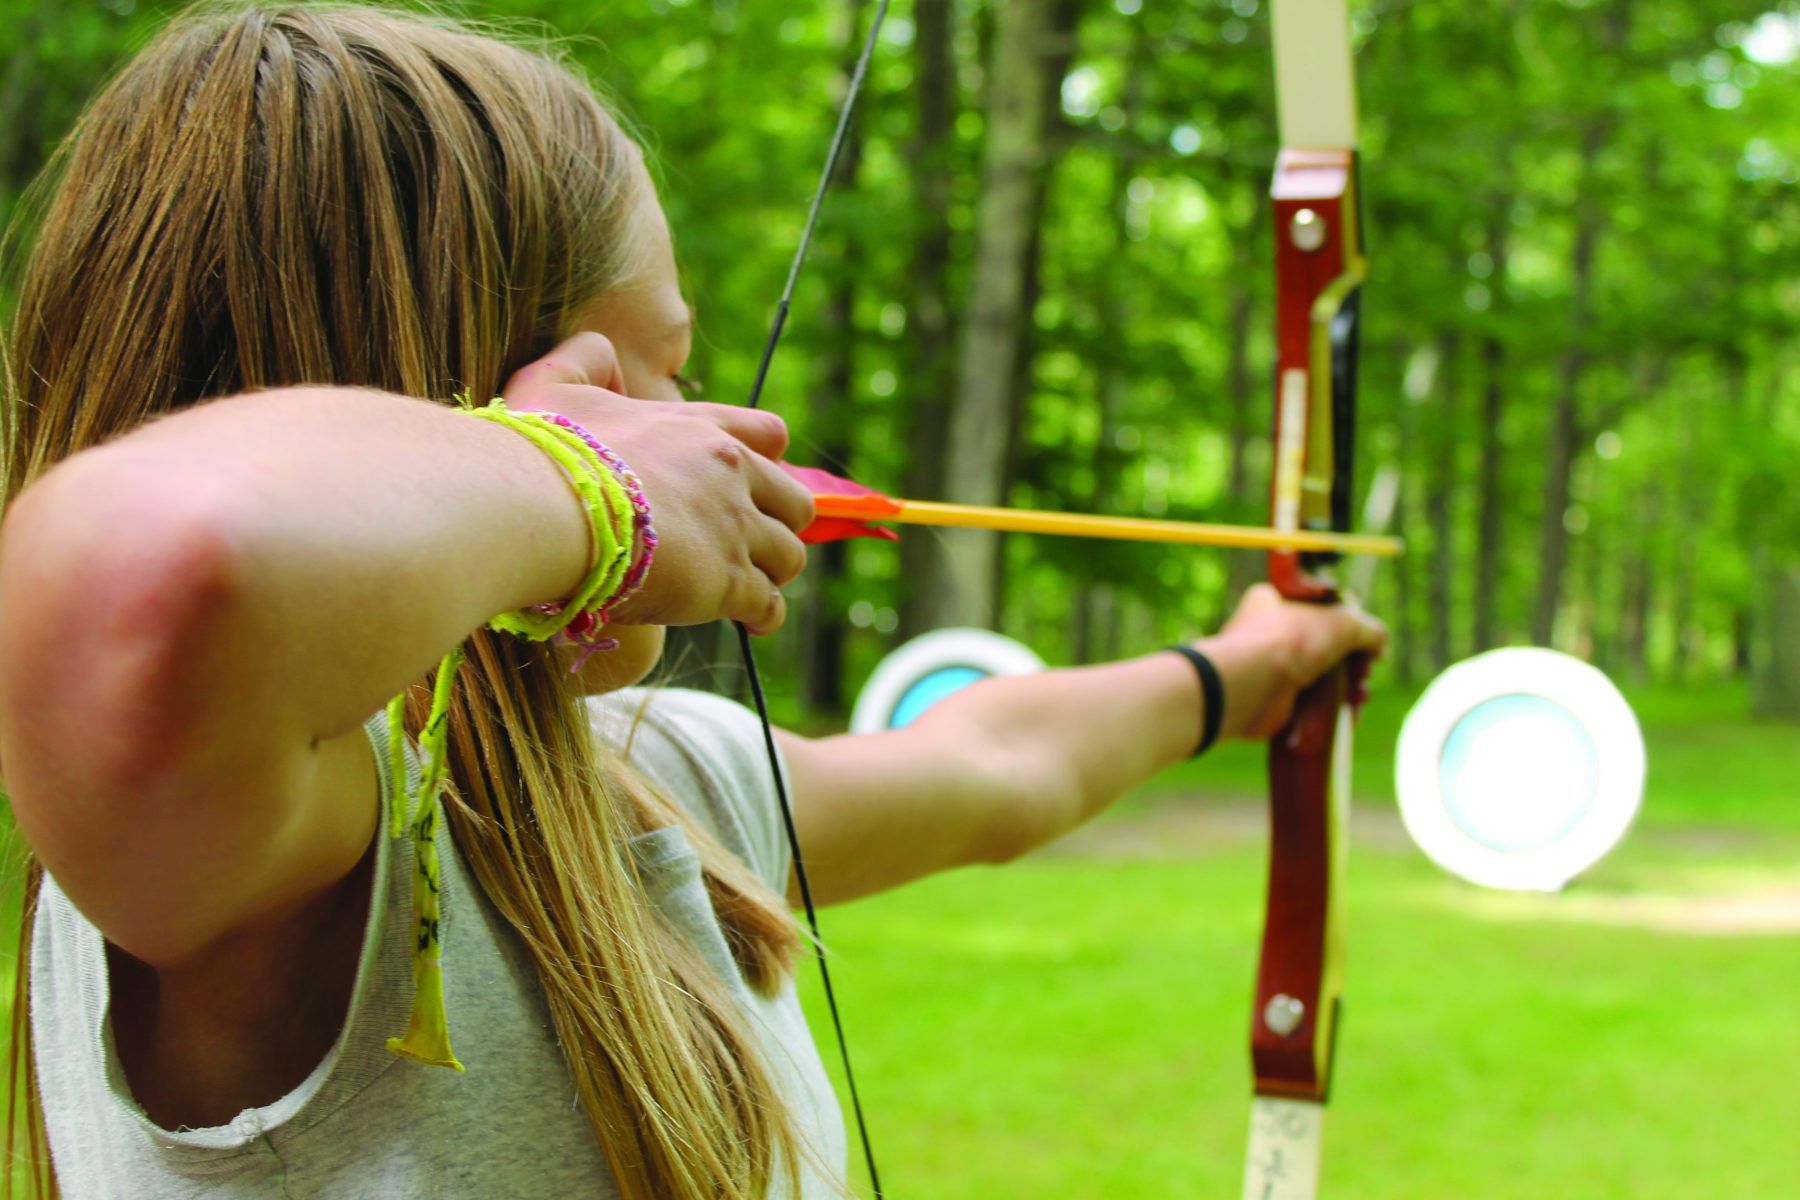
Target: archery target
(931, 667)
(1519, 769)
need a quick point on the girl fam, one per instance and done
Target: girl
(243, 511)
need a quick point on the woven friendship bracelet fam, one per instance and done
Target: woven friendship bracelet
(609, 510)
(584, 628)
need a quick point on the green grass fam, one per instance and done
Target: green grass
(1073, 1028)
(1076, 1026)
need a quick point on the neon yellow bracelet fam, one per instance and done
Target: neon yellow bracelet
(609, 511)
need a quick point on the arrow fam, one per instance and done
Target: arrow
(845, 509)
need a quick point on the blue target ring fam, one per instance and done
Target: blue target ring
(931, 667)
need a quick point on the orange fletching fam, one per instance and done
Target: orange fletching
(844, 507)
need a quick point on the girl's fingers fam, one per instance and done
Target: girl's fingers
(776, 557)
(777, 553)
(773, 614)
(780, 495)
(1366, 634)
(763, 432)
(727, 515)
(1340, 633)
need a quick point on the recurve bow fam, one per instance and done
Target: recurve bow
(1319, 269)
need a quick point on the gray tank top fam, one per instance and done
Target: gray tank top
(367, 1124)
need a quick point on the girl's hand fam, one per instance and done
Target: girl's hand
(727, 518)
(1271, 648)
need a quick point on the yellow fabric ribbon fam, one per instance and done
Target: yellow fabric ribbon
(427, 1036)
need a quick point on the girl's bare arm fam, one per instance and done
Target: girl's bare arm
(190, 613)
(1011, 763)
(196, 618)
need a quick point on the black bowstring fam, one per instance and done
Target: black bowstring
(756, 689)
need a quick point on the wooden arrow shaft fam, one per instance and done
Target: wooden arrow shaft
(1130, 529)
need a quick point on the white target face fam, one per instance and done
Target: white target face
(931, 667)
(1520, 769)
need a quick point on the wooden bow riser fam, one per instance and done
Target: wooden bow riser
(1302, 928)
(1319, 268)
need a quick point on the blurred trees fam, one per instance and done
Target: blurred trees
(1043, 277)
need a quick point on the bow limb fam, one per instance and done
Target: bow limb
(1319, 270)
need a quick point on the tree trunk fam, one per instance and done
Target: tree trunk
(821, 623)
(829, 422)
(1595, 636)
(1489, 505)
(1013, 161)
(1243, 389)
(1565, 422)
(18, 158)
(926, 382)
(1110, 384)
(1403, 642)
(1636, 601)
(1681, 614)
(1777, 686)
(1743, 642)
(1440, 506)
(1057, 44)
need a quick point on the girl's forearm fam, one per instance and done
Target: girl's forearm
(1077, 738)
(346, 540)
(997, 769)
(1008, 764)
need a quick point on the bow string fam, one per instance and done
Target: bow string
(777, 325)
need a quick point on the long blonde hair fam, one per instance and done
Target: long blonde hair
(273, 195)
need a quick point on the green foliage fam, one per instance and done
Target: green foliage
(1499, 138)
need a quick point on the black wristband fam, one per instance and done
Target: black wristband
(1212, 689)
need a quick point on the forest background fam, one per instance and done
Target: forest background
(1043, 278)
(1579, 346)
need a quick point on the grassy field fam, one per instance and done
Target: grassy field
(1074, 1025)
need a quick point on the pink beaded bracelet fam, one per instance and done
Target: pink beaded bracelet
(584, 629)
